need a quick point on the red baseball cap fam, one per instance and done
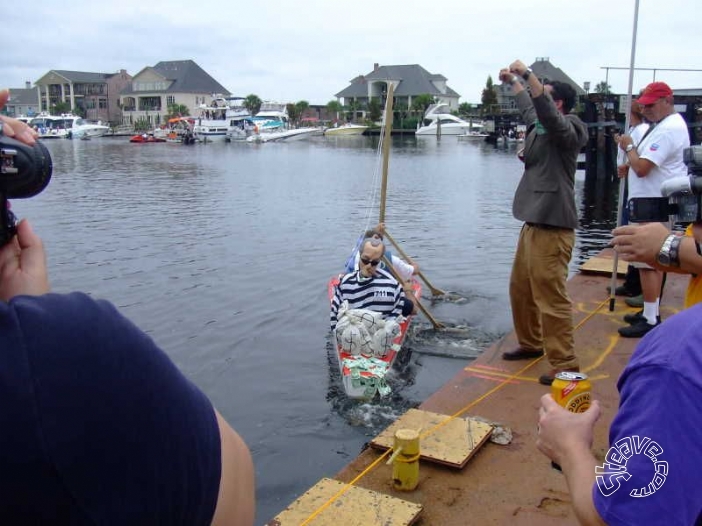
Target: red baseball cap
(653, 92)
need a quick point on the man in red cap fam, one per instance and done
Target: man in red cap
(657, 157)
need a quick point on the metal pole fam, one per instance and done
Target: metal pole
(620, 201)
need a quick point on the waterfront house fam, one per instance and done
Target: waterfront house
(95, 94)
(23, 102)
(154, 88)
(409, 82)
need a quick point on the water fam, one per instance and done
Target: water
(222, 253)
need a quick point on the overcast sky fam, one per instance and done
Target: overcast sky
(290, 50)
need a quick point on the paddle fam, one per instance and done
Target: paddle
(434, 290)
(394, 273)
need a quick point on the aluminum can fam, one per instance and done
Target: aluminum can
(572, 391)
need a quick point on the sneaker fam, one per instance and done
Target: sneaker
(637, 317)
(547, 379)
(635, 301)
(638, 329)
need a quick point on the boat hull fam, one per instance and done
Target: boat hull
(446, 129)
(343, 131)
(363, 376)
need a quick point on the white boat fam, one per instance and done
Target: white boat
(66, 125)
(214, 119)
(439, 116)
(472, 136)
(346, 129)
(271, 117)
(283, 135)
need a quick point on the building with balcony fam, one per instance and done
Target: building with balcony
(409, 81)
(94, 95)
(155, 88)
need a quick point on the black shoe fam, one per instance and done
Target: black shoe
(522, 354)
(637, 330)
(637, 317)
(622, 290)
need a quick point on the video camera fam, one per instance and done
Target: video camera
(682, 196)
(24, 172)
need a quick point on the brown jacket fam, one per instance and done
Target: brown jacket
(545, 193)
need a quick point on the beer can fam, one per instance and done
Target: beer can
(572, 391)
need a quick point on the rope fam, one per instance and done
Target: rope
(429, 431)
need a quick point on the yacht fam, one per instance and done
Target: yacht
(66, 125)
(345, 130)
(218, 117)
(439, 116)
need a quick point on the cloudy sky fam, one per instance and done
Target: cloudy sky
(290, 50)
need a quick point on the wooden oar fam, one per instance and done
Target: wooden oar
(431, 318)
(434, 290)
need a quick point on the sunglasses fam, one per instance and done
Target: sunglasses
(373, 262)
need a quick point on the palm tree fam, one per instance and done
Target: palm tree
(420, 103)
(252, 103)
(489, 96)
(177, 110)
(300, 107)
(334, 107)
(602, 87)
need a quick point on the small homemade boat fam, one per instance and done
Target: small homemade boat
(144, 138)
(363, 375)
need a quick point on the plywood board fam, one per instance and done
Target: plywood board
(354, 506)
(602, 265)
(446, 440)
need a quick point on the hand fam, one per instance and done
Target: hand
(518, 67)
(640, 242)
(622, 170)
(506, 76)
(624, 141)
(14, 128)
(23, 265)
(561, 432)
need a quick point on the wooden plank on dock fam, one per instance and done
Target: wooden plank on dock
(603, 265)
(443, 439)
(354, 506)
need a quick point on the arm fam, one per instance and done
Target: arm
(642, 167)
(336, 301)
(236, 499)
(526, 108)
(642, 243)
(566, 438)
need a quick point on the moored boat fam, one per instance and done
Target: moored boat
(283, 135)
(66, 126)
(438, 118)
(146, 138)
(216, 118)
(346, 130)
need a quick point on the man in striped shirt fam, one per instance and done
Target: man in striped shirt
(369, 287)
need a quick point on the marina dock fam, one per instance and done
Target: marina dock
(514, 483)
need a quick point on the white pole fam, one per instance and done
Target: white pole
(622, 183)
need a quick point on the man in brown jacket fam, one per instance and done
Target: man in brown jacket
(544, 200)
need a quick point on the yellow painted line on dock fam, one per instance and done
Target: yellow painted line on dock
(491, 375)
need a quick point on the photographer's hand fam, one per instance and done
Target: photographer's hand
(640, 242)
(23, 265)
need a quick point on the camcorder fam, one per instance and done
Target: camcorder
(24, 172)
(682, 196)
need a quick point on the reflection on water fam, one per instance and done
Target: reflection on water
(222, 254)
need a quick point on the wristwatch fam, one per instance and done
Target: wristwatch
(526, 74)
(666, 257)
(628, 148)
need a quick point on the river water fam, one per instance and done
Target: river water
(222, 253)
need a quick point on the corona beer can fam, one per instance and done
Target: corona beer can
(572, 391)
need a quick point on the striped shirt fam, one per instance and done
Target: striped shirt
(380, 293)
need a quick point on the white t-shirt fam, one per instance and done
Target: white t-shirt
(663, 147)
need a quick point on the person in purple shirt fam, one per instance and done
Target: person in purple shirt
(652, 472)
(97, 424)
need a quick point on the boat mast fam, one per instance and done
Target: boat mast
(387, 128)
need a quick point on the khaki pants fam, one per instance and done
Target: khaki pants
(541, 308)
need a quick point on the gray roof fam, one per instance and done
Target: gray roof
(413, 80)
(186, 77)
(23, 96)
(82, 76)
(543, 69)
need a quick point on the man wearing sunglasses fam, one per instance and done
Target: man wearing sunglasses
(655, 159)
(370, 287)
